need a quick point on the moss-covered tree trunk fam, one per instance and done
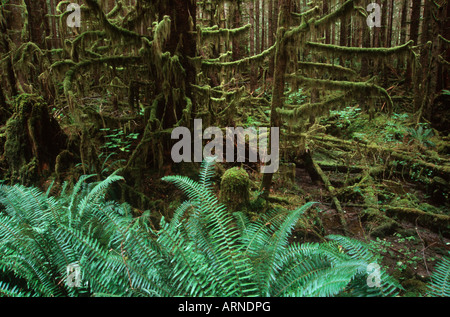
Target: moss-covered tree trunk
(13, 38)
(181, 43)
(281, 60)
(33, 141)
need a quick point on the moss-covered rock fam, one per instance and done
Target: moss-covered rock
(235, 188)
(414, 288)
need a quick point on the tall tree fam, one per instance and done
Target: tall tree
(413, 35)
(280, 68)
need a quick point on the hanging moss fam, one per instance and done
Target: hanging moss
(161, 33)
(113, 30)
(235, 188)
(70, 74)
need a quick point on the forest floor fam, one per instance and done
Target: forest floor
(386, 188)
(409, 253)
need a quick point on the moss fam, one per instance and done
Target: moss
(361, 88)
(308, 109)
(242, 62)
(215, 31)
(335, 70)
(33, 139)
(387, 227)
(257, 205)
(64, 161)
(235, 188)
(414, 287)
(368, 52)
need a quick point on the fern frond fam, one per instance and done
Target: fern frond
(359, 250)
(11, 291)
(440, 279)
(227, 260)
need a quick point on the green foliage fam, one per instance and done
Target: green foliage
(422, 136)
(346, 116)
(118, 140)
(258, 257)
(440, 279)
(395, 129)
(203, 251)
(297, 97)
(404, 252)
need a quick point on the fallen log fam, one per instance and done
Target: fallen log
(332, 191)
(439, 223)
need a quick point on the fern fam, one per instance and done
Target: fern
(440, 279)
(203, 251)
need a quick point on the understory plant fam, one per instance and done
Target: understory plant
(204, 250)
(439, 285)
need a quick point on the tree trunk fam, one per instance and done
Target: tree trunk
(14, 26)
(263, 26)
(325, 9)
(38, 25)
(403, 30)
(414, 35)
(253, 78)
(236, 53)
(272, 32)
(257, 30)
(281, 58)
(389, 25)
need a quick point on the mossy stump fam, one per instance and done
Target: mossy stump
(33, 140)
(235, 188)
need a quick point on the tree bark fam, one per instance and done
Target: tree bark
(281, 58)
(414, 35)
(403, 30)
(253, 78)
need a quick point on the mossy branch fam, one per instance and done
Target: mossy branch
(306, 13)
(317, 108)
(327, 19)
(70, 74)
(113, 13)
(239, 62)
(333, 69)
(444, 40)
(443, 61)
(110, 27)
(360, 51)
(361, 87)
(216, 31)
(333, 194)
(333, 16)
